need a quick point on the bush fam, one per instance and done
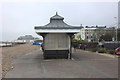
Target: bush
(89, 44)
(94, 50)
(111, 51)
(81, 41)
(102, 50)
(75, 40)
(91, 49)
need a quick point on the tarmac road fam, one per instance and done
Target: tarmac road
(83, 65)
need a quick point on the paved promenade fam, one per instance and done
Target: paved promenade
(83, 65)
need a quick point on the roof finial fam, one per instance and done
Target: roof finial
(56, 13)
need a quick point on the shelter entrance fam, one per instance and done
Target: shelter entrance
(56, 45)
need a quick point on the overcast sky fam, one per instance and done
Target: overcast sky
(19, 18)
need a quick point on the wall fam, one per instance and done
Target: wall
(111, 45)
(57, 42)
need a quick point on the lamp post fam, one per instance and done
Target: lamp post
(116, 26)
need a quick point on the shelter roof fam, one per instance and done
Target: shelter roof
(56, 22)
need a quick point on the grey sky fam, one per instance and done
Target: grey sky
(19, 18)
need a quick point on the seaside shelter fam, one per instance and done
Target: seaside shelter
(57, 37)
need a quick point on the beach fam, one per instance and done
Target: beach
(14, 52)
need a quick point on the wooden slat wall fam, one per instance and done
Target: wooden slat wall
(57, 42)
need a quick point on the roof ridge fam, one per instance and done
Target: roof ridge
(56, 16)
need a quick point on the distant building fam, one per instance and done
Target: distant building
(92, 33)
(80, 35)
(26, 38)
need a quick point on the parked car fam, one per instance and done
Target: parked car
(117, 51)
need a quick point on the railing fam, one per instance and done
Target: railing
(112, 42)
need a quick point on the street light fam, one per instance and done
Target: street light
(116, 27)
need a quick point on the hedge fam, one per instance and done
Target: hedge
(102, 50)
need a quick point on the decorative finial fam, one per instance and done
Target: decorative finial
(56, 13)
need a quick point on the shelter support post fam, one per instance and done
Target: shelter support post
(43, 35)
(70, 47)
(70, 53)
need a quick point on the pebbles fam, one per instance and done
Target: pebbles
(11, 53)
